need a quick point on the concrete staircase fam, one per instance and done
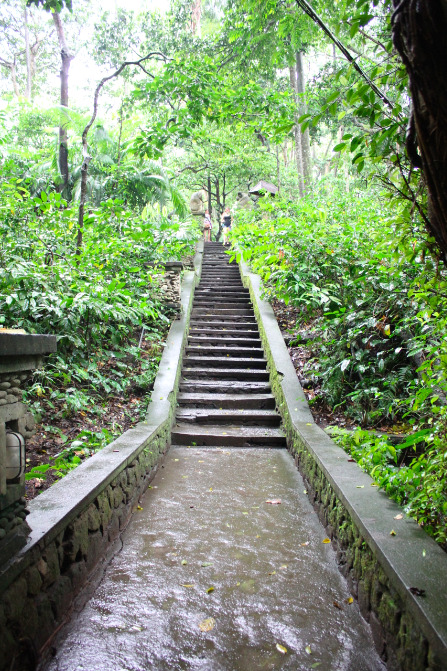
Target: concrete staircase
(225, 397)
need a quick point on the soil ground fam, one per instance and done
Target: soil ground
(57, 429)
(290, 322)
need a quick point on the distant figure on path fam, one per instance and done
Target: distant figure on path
(207, 226)
(226, 221)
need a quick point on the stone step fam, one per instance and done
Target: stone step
(219, 300)
(225, 312)
(220, 296)
(212, 373)
(225, 283)
(225, 324)
(223, 362)
(235, 436)
(222, 332)
(218, 341)
(222, 320)
(234, 416)
(223, 290)
(211, 305)
(221, 400)
(217, 274)
(236, 387)
(224, 350)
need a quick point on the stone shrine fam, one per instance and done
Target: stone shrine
(20, 354)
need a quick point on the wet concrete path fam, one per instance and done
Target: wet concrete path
(213, 577)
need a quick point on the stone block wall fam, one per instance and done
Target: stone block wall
(170, 287)
(38, 588)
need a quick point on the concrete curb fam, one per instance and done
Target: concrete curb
(408, 559)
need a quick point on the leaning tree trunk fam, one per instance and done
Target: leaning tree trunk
(65, 67)
(419, 30)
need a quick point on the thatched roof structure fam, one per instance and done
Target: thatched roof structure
(262, 187)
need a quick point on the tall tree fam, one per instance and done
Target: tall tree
(419, 31)
(66, 58)
(305, 139)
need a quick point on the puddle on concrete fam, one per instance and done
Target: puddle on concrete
(208, 552)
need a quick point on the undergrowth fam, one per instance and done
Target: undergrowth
(360, 268)
(101, 301)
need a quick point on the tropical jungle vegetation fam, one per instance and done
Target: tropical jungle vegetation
(98, 165)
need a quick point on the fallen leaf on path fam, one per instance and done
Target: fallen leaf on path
(337, 605)
(208, 624)
(349, 600)
(206, 563)
(274, 502)
(417, 592)
(188, 585)
(272, 573)
(306, 543)
(360, 486)
(308, 649)
(327, 540)
(283, 566)
(281, 648)
(392, 532)
(210, 589)
(139, 508)
(399, 517)
(184, 562)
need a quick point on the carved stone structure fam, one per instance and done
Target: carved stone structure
(19, 355)
(198, 203)
(243, 202)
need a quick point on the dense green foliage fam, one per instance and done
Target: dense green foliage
(380, 354)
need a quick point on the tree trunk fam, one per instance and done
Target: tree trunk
(338, 158)
(297, 131)
(196, 15)
(27, 55)
(305, 140)
(209, 194)
(419, 30)
(278, 170)
(65, 67)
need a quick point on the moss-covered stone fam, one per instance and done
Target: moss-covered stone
(13, 600)
(33, 580)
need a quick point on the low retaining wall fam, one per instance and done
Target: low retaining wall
(77, 522)
(409, 630)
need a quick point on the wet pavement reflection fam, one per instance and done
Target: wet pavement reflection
(224, 568)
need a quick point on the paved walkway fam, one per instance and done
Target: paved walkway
(214, 577)
(225, 567)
